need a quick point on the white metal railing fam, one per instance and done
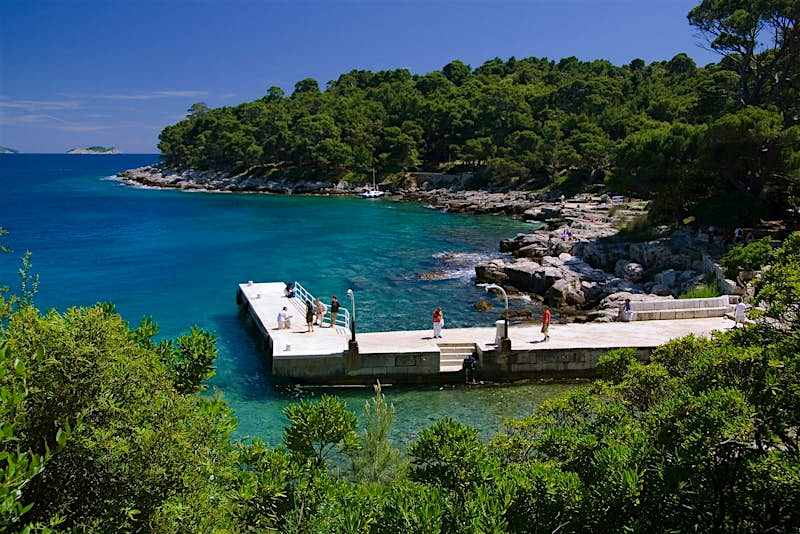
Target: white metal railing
(342, 319)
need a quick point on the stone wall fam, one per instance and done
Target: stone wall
(555, 363)
(423, 367)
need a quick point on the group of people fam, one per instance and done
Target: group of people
(315, 313)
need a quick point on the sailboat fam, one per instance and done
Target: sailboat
(374, 192)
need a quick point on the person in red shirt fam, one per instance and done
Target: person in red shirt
(438, 322)
(546, 324)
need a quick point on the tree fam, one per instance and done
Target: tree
(198, 109)
(377, 459)
(137, 447)
(449, 455)
(317, 429)
(760, 39)
(275, 93)
(751, 152)
(308, 85)
(457, 72)
(779, 286)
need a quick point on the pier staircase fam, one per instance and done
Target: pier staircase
(451, 355)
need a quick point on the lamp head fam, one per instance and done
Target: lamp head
(349, 292)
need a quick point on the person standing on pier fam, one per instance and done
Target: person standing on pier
(470, 365)
(321, 309)
(438, 322)
(309, 316)
(546, 324)
(334, 310)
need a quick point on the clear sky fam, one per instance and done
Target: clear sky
(115, 72)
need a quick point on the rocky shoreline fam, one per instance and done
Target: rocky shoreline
(586, 258)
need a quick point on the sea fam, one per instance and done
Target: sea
(178, 256)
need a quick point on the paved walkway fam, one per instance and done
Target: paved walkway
(267, 299)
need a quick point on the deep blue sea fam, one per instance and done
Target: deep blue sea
(178, 257)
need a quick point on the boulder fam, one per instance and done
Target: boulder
(661, 290)
(565, 292)
(629, 270)
(650, 254)
(483, 305)
(491, 272)
(668, 278)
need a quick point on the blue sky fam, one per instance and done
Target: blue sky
(115, 72)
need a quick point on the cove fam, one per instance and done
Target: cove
(178, 256)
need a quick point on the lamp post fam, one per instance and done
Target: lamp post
(353, 317)
(505, 343)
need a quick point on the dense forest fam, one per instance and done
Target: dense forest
(720, 136)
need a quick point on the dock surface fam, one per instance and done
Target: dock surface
(574, 340)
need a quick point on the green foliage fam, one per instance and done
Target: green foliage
(779, 287)
(18, 465)
(448, 454)
(758, 41)
(377, 459)
(317, 429)
(29, 283)
(137, 448)
(189, 359)
(676, 355)
(750, 257)
(671, 131)
(613, 365)
(702, 292)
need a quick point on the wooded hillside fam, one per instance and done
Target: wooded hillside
(706, 133)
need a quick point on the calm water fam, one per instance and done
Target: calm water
(178, 257)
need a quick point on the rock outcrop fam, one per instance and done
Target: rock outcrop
(579, 260)
(158, 176)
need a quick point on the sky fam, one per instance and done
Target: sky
(79, 73)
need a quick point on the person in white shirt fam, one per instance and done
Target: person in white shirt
(739, 314)
(321, 310)
(284, 319)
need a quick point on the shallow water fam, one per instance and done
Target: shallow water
(178, 256)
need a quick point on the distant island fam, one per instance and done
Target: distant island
(94, 150)
(6, 150)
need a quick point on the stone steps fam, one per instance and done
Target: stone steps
(690, 313)
(451, 356)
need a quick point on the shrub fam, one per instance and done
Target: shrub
(613, 365)
(750, 257)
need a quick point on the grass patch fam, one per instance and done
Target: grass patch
(636, 230)
(702, 292)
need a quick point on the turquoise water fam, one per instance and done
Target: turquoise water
(178, 256)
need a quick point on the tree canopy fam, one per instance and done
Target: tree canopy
(682, 134)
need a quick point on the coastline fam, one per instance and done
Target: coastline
(584, 261)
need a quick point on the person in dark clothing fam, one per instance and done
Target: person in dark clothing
(334, 310)
(470, 365)
(310, 316)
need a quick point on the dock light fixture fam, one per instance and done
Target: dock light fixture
(506, 343)
(353, 314)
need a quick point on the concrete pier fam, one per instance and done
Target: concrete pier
(414, 356)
